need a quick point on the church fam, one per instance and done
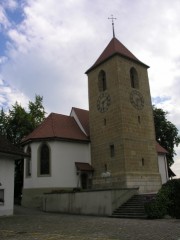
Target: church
(110, 146)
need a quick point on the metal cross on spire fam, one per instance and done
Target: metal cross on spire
(112, 18)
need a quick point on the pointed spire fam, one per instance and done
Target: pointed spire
(115, 47)
(112, 18)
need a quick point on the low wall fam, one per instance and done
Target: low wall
(95, 202)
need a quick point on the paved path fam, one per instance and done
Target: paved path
(29, 224)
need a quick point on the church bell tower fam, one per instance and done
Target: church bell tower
(121, 121)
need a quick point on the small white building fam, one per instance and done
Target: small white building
(8, 153)
(60, 156)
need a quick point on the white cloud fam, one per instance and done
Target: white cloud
(4, 22)
(2, 59)
(49, 51)
(10, 4)
(10, 95)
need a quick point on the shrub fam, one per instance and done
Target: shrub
(173, 187)
(167, 201)
(154, 209)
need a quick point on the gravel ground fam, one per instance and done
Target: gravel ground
(30, 224)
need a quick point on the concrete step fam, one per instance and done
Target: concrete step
(133, 208)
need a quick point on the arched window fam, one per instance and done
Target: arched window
(44, 160)
(28, 162)
(102, 85)
(134, 78)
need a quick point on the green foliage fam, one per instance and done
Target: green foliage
(18, 123)
(155, 209)
(166, 133)
(171, 191)
(167, 201)
(36, 112)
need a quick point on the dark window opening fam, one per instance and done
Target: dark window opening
(102, 85)
(44, 160)
(112, 150)
(28, 162)
(105, 167)
(139, 119)
(134, 78)
(84, 180)
(104, 121)
(142, 161)
(1, 196)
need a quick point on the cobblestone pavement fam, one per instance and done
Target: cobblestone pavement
(28, 224)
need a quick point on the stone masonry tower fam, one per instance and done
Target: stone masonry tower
(121, 122)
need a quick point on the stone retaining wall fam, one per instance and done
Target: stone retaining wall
(95, 202)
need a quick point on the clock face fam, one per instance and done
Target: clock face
(103, 102)
(137, 99)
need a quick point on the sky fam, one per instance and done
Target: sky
(46, 46)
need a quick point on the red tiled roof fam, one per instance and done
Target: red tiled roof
(114, 47)
(65, 127)
(9, 148)
(83, 116)
(160, 149)
(57, 126)
(84, 167)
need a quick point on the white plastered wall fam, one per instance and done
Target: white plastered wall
(63, 156)
(163, 170)
(7, 184)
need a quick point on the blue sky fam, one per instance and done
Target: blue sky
(47, 45)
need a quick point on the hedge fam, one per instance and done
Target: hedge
(166, 202)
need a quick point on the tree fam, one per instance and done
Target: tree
(18, 123)
(36, 112)
(166, 133)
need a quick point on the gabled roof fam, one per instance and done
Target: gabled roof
(8, 148)
(83, 116)
(57, 126)
(115, 47)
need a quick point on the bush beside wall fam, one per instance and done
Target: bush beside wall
(167, 201)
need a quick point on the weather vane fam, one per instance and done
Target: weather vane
(112, 18)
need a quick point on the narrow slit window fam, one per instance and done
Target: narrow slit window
(102, 84)
(1, 196)
(44, 168)
(28, 162)
(105, 167)
(134, 78)
(142, 161)
(112, 150)
(139, 119)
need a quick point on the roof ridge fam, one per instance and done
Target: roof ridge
(80, 109)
